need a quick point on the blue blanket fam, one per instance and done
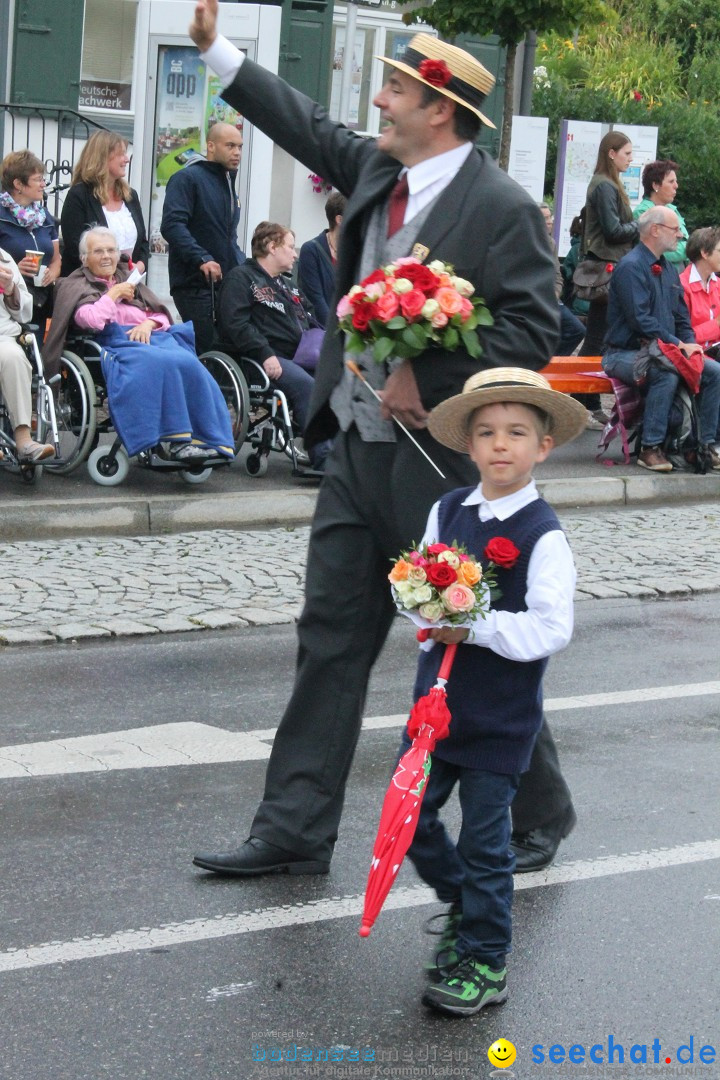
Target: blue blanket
(161, 392)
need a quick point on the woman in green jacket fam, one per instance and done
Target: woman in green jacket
(660, 184)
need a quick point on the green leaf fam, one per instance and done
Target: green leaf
(484, 317)
(451, 339)
(471, 343)
(383, 348)
(397, 323)
(414, 336)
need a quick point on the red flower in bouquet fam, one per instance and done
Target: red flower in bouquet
(502, 552)
(407, 307)
(441, 574)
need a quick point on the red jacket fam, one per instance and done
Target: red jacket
(704, 307)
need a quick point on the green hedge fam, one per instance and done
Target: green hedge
(687, 133)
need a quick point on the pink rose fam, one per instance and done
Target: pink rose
(457, 598)
(344, 308)
(466, 308)
(450, 300)
(439, 320)
(387, 306)
(412, 303)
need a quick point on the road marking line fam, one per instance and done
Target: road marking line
(189, 743)
(338, 907)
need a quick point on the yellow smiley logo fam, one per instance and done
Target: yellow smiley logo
(502, 1054)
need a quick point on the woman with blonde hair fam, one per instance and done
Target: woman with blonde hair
(101, 195)
(609, 232)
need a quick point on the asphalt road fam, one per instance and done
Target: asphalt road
(622, 946)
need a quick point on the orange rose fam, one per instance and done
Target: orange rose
(400, 571)
(469, 573)
(450, 301)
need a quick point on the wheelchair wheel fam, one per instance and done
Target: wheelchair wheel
(105, 470)
(233, 388)
(256, 464)
(195, 476)
(74, 412)
(30, 473)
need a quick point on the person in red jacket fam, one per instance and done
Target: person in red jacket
(702, 286)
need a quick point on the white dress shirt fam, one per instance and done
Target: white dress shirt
(425, 180)
(547, 625)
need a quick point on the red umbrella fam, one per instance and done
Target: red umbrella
(429, 721)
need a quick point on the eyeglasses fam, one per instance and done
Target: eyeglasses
(673, 228)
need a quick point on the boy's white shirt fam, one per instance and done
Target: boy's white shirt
(547, 625)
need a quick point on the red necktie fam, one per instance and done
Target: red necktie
(397, 205)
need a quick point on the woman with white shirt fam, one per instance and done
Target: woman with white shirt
(100, 195)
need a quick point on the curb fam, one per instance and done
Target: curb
(140, 516)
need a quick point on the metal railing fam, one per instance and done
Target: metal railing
(55, 135)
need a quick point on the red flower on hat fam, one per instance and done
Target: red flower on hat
(436, 72)
(609, 267)
(656, 269)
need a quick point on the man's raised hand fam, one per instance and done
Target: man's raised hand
(203, 28)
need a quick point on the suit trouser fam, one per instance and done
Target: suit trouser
(373, 502)
(16, 382)
(194, 304)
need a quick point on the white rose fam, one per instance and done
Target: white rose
(433, 611)
(423, 595)
(402, 285)
(430, 308)
(450, 558)
(465, 288)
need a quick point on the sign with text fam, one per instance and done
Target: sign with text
(104, 95)
(528, 149)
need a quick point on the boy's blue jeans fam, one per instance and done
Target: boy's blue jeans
(477, 871)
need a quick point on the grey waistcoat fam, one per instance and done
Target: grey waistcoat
(351, 401)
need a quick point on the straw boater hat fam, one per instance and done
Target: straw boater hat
(448, 421)
(447, 69)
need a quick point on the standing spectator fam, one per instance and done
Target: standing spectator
(572, 330)
(316, 266)
(200, 221)
(660, 184)
(101, 195)
(26, 225)
(646, 303)
(421, 186)
(608, 233)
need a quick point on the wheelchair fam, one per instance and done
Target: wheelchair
(268, 424)
(44, 413)
(86, 417)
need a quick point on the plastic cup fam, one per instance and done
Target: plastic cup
(37, 258)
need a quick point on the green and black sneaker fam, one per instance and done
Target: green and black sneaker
(467, 989)
(446, 955)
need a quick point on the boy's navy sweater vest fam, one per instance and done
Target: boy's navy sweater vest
(495, 703)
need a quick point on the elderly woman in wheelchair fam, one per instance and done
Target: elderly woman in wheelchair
(159, 394)
(16, 305)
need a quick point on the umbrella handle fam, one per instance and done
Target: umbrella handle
(447, 661)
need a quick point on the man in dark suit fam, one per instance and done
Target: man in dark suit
(421, 188)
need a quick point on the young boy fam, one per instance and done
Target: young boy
(507, 419)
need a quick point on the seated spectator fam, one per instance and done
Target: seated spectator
(660, 184)
(27, 225)
(158, 391)
(576, 305)
(316, 265)
(701, 285)
(262, 317)
(645, 303)
(15, 369)
(572, 330)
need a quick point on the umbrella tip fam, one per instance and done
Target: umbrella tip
(365, 930)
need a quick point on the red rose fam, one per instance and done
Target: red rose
(421, 276)
(377, 275)
(502, 552)
(609, 267)
(412, 303)
(656, 269)
(637, 95)
(435, 549)
(362, 315)
(441, 575)
(436, 72)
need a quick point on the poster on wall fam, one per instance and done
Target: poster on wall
(188, 103)
(528, 149)
(644, 144)
(353, 119)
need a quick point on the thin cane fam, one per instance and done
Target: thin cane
(356, 371)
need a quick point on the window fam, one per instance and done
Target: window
(108, 55)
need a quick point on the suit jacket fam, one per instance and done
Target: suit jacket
(483, 223)
(80, 211)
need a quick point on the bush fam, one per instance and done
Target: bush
(687, 133)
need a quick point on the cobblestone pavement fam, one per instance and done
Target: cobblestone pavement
(69, 590)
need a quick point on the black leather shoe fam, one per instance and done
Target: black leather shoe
(256, 857)
(536, 849)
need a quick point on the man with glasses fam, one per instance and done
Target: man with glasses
(646, 303)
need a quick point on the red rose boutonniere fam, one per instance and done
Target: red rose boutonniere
(436, 72)
(656, 269)
(502, 552)
(609, 267)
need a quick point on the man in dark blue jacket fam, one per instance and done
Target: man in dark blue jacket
(200, 223)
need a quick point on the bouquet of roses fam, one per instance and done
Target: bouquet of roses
(405, 308)
(440, 584)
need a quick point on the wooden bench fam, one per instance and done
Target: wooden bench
(566, 374)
